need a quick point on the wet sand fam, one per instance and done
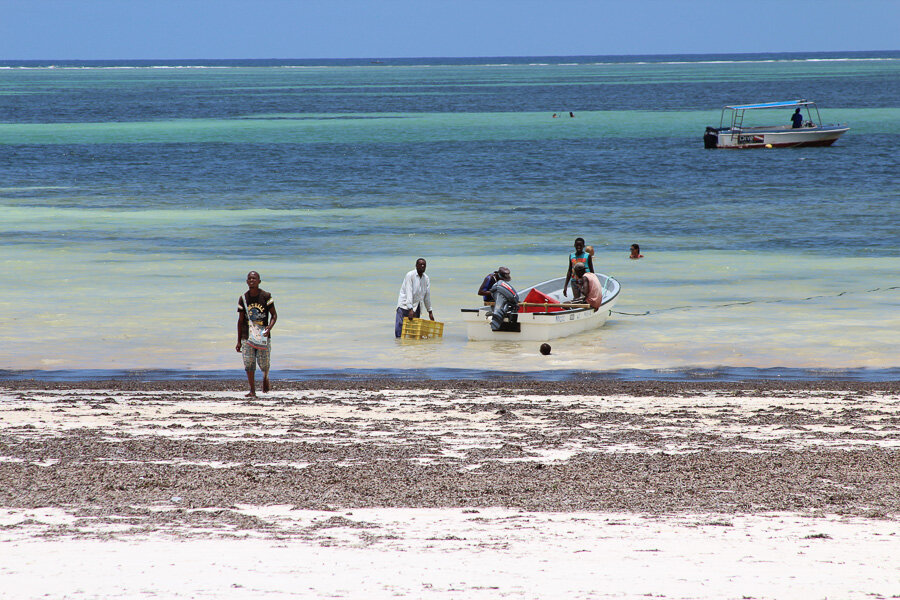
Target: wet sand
(355, 465)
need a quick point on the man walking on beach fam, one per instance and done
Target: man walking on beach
(414, 291)
(256, 317)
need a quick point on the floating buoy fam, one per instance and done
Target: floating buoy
(768, 145)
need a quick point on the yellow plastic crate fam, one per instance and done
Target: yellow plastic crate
(421, 329)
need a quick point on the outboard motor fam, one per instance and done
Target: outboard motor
(711, 137)
(506, 302)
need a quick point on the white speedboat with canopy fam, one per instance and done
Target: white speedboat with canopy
(734, 131)
(544, 313)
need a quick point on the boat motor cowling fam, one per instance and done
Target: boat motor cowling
(711, 137)
(506, 302)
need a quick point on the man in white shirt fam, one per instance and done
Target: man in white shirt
(414, 291)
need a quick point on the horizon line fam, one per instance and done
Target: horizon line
(378, 57)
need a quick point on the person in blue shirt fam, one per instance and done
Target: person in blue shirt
(579, 256)
(501, 274)
(797, 119)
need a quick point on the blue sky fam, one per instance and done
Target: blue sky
(177, 29)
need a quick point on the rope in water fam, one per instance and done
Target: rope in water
(746, 302)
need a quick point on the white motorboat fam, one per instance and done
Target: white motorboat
(733, 132)
(547, 322)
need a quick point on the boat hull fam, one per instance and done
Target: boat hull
(779, 137)
(541, 327)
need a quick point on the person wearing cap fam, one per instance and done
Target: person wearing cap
(589, 284)
(501, 274)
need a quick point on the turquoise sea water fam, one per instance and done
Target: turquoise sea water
(135, 196)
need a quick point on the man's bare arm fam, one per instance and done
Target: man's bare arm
(274, 315)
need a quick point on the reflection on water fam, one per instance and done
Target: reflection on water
(507, 349)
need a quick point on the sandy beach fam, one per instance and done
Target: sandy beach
(382, 489)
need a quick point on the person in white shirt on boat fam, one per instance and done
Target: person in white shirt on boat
(589, 284)
(414, 291)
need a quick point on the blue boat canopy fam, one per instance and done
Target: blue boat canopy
(781, 104)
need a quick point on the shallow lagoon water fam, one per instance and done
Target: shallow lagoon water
(134, 201)
(130, 312)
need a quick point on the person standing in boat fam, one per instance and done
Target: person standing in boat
(580, 256)
(589, 284)
(414, 291)
(797, 119)
(501, 274)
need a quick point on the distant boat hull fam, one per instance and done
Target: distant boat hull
(775, 137)
(541, 327)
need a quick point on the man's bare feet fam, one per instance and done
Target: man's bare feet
(250, 395)
(266, 386)
(251, 379)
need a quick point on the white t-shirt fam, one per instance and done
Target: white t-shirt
(414, 291)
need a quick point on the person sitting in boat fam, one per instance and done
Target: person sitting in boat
(797, 119)
(580, 256)
(589, 284)
(501, 274)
